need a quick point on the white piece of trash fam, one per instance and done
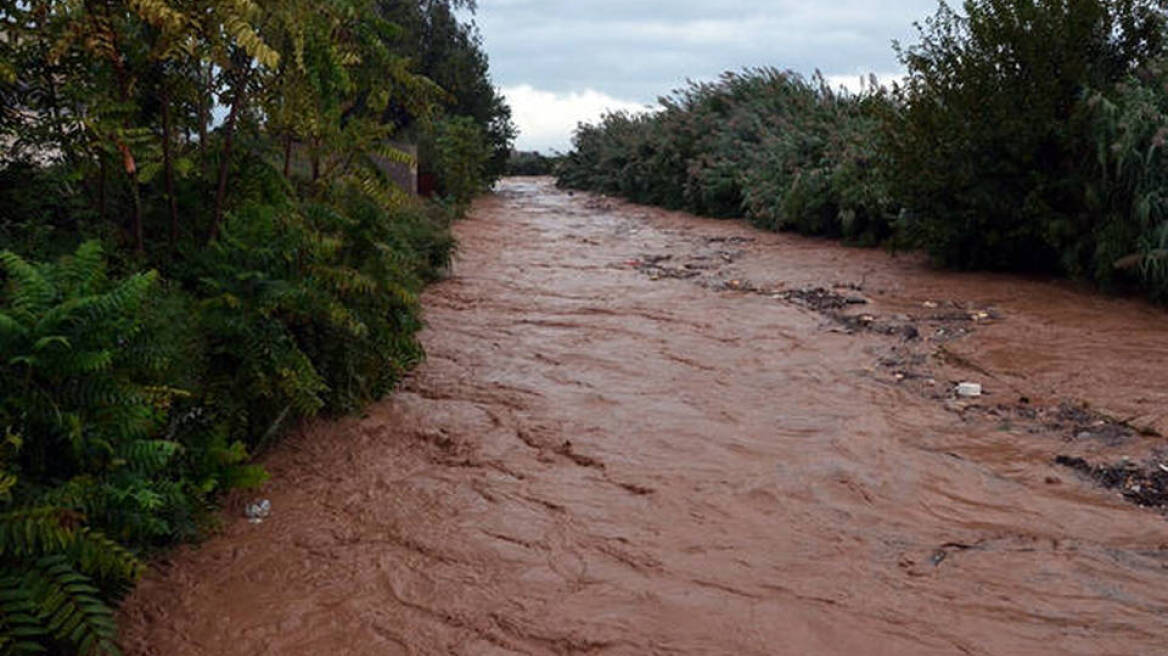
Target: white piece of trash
(969, 390)
(258, 511)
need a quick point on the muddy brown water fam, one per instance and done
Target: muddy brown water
(607, 453)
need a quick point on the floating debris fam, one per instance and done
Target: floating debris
(818, 298)
(257, 511)
(969, 390)
(1144, 485)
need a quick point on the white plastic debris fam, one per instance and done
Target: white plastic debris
(969, 390)
(257, 511)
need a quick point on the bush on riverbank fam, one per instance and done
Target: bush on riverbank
(178, 290)
(1027, 135)
(783, 151)
(531, 163)
(995, 141)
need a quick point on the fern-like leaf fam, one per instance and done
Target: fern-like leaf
(68, 606)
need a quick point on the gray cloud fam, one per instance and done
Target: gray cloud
(637, 50)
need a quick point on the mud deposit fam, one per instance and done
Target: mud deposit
(639, 432)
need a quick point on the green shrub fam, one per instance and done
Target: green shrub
(122, 425)
(1128, 191)
(530, 163)
(782, 151)
(990, 145)
(85, 458)
(256, 266)
(459, 149)
(312, 307)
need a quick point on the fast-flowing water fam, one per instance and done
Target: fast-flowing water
(641, 432)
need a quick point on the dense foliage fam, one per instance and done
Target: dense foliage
(1028, 134)
(992, 142)
(449, 52)
(781, 150)
(1128, 191)
(460, 150)
(200, 246)
(531, 163)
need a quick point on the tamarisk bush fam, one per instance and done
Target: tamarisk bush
(994, 142)
(767, 145)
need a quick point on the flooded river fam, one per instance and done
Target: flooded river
(643, 433)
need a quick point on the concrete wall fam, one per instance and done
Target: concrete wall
(405, 176)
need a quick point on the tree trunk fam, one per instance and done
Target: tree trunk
(101, 205)
(287, 155)
(128, 164)
(168, 164)
(315, 158)
(139, 238)
(237, 99)
(204, 114)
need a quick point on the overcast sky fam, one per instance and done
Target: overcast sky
(562, 61)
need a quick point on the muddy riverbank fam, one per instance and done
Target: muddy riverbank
(640, 432)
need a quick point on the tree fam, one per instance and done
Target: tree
(450, 52)
(217, 285)
(989, 140)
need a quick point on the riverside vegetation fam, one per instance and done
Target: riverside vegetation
(522, 163)
(1027, 135)
(199, 248)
